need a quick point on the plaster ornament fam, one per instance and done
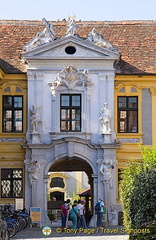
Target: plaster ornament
(70, 77)
(34, 171)
(71, 27)
(45, 36)
(99, 40)
(105, 118)
(35, 118)
(106, 171)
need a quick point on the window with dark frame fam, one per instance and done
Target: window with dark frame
(57, 182)
(70, 115)
(11, 183)
(12, 113)
(127, 114)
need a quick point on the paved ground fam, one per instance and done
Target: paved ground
(89, 234)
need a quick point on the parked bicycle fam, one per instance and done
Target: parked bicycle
(16, 220)
(4, 233)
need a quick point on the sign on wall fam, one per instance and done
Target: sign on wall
(19, 203)
(35, 214)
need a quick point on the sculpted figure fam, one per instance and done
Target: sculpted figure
(45, 36)
(71, 27)
(35, 118)
(99, 40)
(34, 171)
(105, 118)
(106, 171)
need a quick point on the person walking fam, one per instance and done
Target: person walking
(99, 211)
(63, 214)
(74, 214)
(81, 221)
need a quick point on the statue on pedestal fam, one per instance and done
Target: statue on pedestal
(35, 118)
(105, 118)
(71, 27)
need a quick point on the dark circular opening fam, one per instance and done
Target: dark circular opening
(70, 50)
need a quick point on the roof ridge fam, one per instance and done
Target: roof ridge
(39, 22)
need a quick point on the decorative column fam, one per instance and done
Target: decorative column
(153, 93)
(107, 176)
(33, 173)
(45, 218)
(35, 101)
(95, 198)
(110, 90)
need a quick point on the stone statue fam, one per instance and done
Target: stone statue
(35, 118)
(99, 40)
(71, 27)
(106, 171)
(45, 36)
(34, 171)
(105, 118)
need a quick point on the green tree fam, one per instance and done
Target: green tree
(138, 194)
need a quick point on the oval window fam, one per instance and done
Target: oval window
(70, 50)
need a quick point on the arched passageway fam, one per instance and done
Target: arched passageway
(67, 165)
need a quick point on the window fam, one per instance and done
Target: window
(12, 113)
(11, 183)
(57, 182)
(127, 114)
(70, 113)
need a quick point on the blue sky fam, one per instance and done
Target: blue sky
(86, 10)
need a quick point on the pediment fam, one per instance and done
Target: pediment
(83, 49)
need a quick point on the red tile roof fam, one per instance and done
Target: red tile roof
(135, 41)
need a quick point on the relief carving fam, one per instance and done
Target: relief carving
(70, 77)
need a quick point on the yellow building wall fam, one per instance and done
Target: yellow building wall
(12, 154)
(127, 151)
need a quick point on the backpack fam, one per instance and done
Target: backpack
(97, 206)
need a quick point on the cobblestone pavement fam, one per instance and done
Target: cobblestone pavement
(68, 234)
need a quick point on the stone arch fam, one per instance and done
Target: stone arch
(77, 164)
(68, 160)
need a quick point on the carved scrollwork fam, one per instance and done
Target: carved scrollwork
(70, 77)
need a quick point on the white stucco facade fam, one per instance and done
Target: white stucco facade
(52, 72)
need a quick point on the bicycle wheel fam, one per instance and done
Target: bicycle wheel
(28, 219)
(11, 229)
(5, 235)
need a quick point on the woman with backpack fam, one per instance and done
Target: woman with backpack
(99, 211)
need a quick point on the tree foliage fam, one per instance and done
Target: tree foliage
(138, 193)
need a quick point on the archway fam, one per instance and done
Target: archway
(73, 165)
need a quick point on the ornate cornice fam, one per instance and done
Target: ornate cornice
(32, 75)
